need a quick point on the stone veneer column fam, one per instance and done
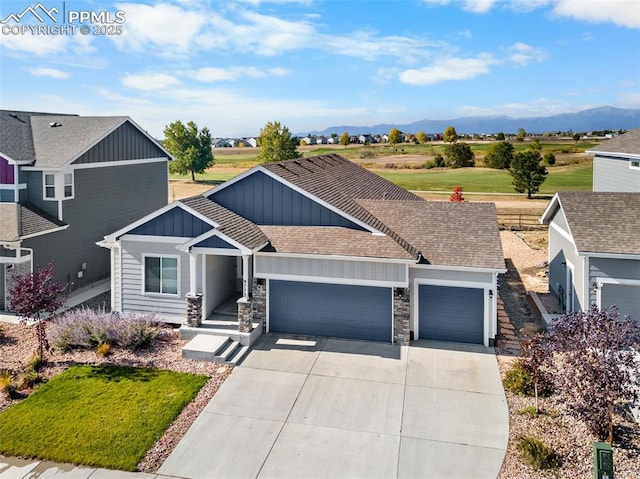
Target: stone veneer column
(259, 303)
(245, 316)
(401, 314)
(194, 309)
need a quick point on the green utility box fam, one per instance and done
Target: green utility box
(602, 461)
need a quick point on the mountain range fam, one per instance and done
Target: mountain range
(593, 119)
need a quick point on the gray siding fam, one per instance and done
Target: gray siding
(125, 143)
(214, 242)
(34, 193)
(440, 274)
(614, 174)
(175, 222)
(561, 250)
(106, 199)
(625, 297)
(133, 298)
(346, 270)
(265, 201)
(611, 268)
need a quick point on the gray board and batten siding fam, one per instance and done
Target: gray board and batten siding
(125, 143)
(174, 222)
(105, 200)
(332, 310)
(614, 174)
(266, 201)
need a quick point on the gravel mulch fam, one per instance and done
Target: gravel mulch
(567, 436)
(18, 344)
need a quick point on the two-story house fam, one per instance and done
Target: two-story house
(65, 182)
(594, 238)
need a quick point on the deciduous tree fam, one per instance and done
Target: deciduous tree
(458, 155)
(521, 134)
(421, 136)
(456, 195)
(593, 364)
(277, 144)
(36, 296)
(190, 147)
(344, 139)
(527, 172)
(500, 136)
(394, 136)
(499, 155)
(450, 134)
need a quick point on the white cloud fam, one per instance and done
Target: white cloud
(479, 6)
(165, 29)
(114, 96)
(625, 13)
(40, 45)
(523, 54)
(149, 81)
(449, 69)
(215, 74)
(532, 108)
(49, 72)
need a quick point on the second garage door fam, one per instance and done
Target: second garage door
(341, 311)
(451, 314)
(625, 296)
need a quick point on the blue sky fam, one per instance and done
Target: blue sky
(310, 64)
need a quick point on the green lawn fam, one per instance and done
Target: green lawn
(104, 416)
(574, 178)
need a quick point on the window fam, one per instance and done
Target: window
(49, 186)
(161, 275)
(634, 164)
(68, 185)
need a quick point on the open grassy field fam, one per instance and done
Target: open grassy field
(105, 416)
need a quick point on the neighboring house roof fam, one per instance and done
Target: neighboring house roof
(19, 221)
(449, 234)
(16, 139)
(600, 222)
(29, 137)
(231, 224)
(332, 240)
(623, 145)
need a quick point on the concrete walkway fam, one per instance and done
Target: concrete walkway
(326, 408)
(316, 407)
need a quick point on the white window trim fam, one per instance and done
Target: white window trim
(45, 186)
(163, 295)
(72, 184)
(58, 185)
(632, 166)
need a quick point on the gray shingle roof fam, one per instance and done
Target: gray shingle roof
(603, 222)
(16, 140)
(449, 234)
(628, 143)
(55, 147)
(19, 220)
(340, 183)
(332, 240)
(231, 224)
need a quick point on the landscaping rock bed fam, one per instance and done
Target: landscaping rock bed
(567, 436)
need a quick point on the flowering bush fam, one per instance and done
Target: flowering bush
(86, 328)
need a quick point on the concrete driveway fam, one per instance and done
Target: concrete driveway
(328, 408)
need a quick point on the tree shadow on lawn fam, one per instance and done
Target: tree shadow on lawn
(116, 373)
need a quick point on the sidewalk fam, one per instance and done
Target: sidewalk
(75, 298)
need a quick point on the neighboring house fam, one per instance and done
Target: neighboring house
(616, 163)
(594, 250)
(316, 246)
(65, 182)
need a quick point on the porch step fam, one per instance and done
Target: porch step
(218, 349)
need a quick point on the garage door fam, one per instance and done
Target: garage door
(451, 314)
(625, 296)
(315, 309)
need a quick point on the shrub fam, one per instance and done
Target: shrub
(536, 453)
(1, 332)
(35, 362)
(103, 349)
(390, 166)
(549, 159)
(8, 385)
(27, 379)
(529, 411)
(429, 164)
(518, 379)
(439, 160)
(87, 329)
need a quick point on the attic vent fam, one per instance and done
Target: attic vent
(54, 124)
